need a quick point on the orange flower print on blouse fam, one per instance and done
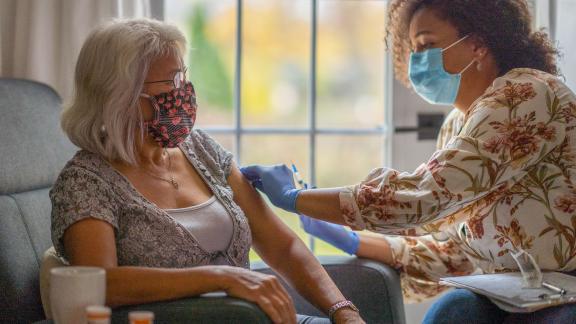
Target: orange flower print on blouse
(501, 179)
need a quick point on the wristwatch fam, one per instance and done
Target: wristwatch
(339, 305)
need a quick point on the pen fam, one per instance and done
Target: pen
(557, 289)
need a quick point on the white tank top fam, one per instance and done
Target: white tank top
(209, 223)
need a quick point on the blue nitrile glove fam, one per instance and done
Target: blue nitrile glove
(334, 234)
(276, 182)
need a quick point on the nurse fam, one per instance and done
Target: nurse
(502, 179)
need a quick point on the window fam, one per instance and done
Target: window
(284, 81)
(564, 27)
(555, 16)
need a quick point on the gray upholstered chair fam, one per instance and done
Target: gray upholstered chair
(32, 152)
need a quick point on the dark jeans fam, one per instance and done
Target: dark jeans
(305, 319)
(464, 306)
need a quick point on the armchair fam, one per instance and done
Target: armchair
(33, 150)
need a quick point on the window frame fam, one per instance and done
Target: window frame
(312, 131)
(238, 130)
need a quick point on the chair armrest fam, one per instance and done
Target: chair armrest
(208, 308)
(372, 286)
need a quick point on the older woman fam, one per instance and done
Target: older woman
(502, 179)
(161, 206)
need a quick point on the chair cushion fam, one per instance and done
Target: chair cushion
(32, 153)
(34, 149)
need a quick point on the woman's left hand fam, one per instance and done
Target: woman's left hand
(276, 182)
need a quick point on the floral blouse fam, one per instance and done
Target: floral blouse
(145, 234)
(503, 178)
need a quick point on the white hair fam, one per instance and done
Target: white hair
(104, 115)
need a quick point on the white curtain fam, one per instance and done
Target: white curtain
(40, 39)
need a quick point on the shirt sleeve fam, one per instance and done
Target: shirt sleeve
(79, 194)
(223, 158)
(450, 128)
(504, 134)
(423, 260)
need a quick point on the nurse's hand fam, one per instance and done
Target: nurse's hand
(335, 234)
(276, 182)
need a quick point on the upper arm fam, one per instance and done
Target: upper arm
(91, 242)
(269, 233)
(84, 216)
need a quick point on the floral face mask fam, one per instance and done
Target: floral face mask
(174, 115)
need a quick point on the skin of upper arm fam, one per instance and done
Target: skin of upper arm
(269, 233)
(91, 242)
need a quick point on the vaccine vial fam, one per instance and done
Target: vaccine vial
(141, 317)
(96, 314)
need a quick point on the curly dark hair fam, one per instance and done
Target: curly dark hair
(504, 26)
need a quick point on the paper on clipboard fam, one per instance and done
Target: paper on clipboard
(507, 292)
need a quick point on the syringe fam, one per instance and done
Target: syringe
(301, 182)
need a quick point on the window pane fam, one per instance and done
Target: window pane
(351, 63)
(275, 66)
(276, 149)
(346, 160)
(209, 27)
(565, 27)
(226, 140)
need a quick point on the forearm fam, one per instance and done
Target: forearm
(137, 285)
(375, 247)
(321, 204)
(302, 270)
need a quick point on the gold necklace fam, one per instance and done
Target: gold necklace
(171, 181)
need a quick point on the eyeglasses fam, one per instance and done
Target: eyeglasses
(178, 81)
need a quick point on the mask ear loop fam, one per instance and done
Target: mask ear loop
(154, 108)
(467, 66)
(455, 43)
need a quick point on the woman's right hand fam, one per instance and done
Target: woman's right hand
(262, 289)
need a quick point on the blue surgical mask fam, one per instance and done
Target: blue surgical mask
(430, 80)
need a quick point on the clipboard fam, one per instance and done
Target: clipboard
(507, 292)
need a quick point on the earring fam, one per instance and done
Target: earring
(479, 66)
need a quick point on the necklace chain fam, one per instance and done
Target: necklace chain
(171, 181)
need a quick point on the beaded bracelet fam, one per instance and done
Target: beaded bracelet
(339, 305)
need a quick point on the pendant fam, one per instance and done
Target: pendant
(174, 183)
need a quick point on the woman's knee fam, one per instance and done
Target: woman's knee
(463, 306)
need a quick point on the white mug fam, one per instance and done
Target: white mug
(74, 288)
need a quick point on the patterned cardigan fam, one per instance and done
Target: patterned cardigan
(146, 235)
(502, 179)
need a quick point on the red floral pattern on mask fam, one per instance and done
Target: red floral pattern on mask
(174, 115)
